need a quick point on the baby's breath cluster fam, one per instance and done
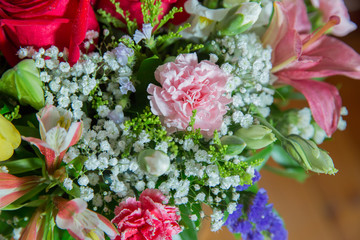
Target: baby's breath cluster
(244, 57)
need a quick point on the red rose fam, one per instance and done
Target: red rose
(43, 23)
(146, 219)
(133, 7)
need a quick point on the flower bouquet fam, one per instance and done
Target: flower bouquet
(121, 119)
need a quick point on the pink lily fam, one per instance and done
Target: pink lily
(336, 8)
(57, 133)
(12, 187)
(35, 228)
(298, 57)
(82, 223)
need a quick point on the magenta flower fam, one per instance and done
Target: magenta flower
(336, 8)
(80, 222)
(147, 219)
(298, 57)
(12, 187)
(57, 133)
(186, 86)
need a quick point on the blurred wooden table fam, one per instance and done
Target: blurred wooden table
(324, 207)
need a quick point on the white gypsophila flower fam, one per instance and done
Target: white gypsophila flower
(183, 189)
(22, 53)
(231, 207)
(86, 193)
(91, 163)
(108, 198)
(64, 67)
(163, 146)
(93, 178)
(342, 124)
(103, 111)
(200, 197)
(216, 220)
(16, 234)
(97, 201)
(45, 77)
(151, 184)
(4, 169)
(68, 183)
(118, 187)
(140, 186)
(52, 63)
(83, 180)
(194, 169)
(202, 156)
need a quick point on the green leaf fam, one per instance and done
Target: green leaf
(145, 76)
(297, 173)
(282, 157)
(28, 131)
(34, 203)
(75, 191)
(23, 83)
(35, 191)
(76, 166)
(49, 222)
(22, 165)
(189, 233)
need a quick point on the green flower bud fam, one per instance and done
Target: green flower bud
(256, 136)
(23, 83)
(308, 155)
(235, 144)
(154, 162)
(239, 19)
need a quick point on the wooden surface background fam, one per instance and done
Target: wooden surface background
(324, 207)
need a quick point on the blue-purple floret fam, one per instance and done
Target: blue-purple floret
(256, 178)
(260, 219)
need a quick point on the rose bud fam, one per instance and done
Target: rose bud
(235, 144)
(308, 155)
(239, 19)
(154, 162)
(256, 136)
(23, 83)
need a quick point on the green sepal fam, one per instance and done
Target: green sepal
(282, 157)
(22, 165)
(35, 191)
(23, 83)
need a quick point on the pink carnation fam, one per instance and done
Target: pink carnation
(188, 85)
(146, 219)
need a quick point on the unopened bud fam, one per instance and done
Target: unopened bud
(239, 19)
(256, 136)
(154, 162)
(235, 144)
(23, 83)
(308, 155)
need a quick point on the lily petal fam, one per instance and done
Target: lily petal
(338, 8)
(324, 101)
(297, 16)
(341, 60)
(73, 136)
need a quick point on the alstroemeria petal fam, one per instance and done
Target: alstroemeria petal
(107, 227)
(324, 101)
(72, 137)
(341, 60)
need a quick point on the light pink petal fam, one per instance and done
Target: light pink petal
(324, 101)
(278, 27)
(31, 232)
(297, 16)
(73, 136)
(48, 118)
(335, 58)
(288, 48)
(338, 8)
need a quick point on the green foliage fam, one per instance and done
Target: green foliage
(108, 19)
(190, 48)
(150, 124)
(22, 165)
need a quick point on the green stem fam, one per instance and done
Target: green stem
(276, 132)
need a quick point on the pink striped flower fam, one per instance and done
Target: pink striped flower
(35, 228)
(57, 133)
(12, 187)
(80, 222)
(299, 56)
